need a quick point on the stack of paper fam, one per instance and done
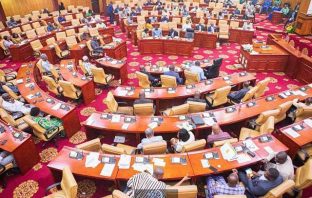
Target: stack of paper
(153, 125)
(185, 125)
(243, 158)
(92, 160)
(292, 133)
(209, 121)
(308, 122)
(140, 167)
(124, 162)
(228, 152)
(107, 170)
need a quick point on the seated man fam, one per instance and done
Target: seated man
(217, 134)
(164, 19)
(84, 36)
(7, 42)
(171, 72)
(13, 106)
(173, 33)
(11, 86)
(247, 26)
(11, 22)
(6, 158)
(153, 19)
(266, 6)
(50, 27)
(259, 185)
(197, 98)
(236, 96)
(186, 25)
(61, 19)
(46, 65)
(48, 122)
(101, 25)
(283, 164)
(87, 65)
(96, 47)
(200, 27)
(212, 28)
(217, 185)
(151, 78)
(150, 138)
(285, 9)
(236, 12)
(145, 33)
(157, 33)
(142, 99)
(195, 68)
(147, 185)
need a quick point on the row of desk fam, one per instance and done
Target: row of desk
(98, 124)
(172, 171)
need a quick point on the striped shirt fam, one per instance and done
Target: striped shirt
(217, 186)
(145, 185)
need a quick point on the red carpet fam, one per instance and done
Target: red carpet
(34, 183)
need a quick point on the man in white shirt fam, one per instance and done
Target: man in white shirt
(186, 25)
(12, 105)
(198, 70)
(101, 25)
(87, 65)
(7, 42)
(46, 66)
(283, 164)
(247, 26)
(150, 138)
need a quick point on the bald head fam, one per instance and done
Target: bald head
(149, 133)
(232, 180)
(281, 157)
(216, 129)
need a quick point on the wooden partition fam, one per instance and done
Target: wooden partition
(22, 7)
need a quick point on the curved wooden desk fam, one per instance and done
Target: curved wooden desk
(118, 68)
(179, 47)
(24, 150)
(77, 79)
(96, 124)
(163, 99)
(27, 75)
(172, 171)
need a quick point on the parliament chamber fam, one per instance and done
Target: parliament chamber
(155, 98)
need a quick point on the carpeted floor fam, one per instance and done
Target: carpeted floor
(34, 183)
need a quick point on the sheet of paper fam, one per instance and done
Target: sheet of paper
(243, 158)
(185, 125)
(153, 125)
(157, 160)
(122, 92)
(92, 160)
(125, 126)
(227, 151)
(251, 145)
(271, 153)
(19, 81)
(30, 96)
(308, 122)
(116, 118)
(119, 139)
(205, 163)
(90, 121)
(209, 121)
(299, 93)
(292, 133)
(160, 163)
(124, 161)
(57, 106)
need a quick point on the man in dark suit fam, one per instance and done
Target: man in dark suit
(142, 99)
(151, 78)
(171, 72)
(173, 33)
(200, 27)
(212, 28)
(96, 47)
(236, 96)
(259, 185)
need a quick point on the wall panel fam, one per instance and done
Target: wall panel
(22, 7)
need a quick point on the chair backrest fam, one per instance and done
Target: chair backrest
(26, 27)
(10, 92)
(36, 45)
(71, 41)
(93, 32)
(16, 30)
(180, 110)
(89, 45)
(51, 41)
(70, 7)
(143, 80)
(304, 175)
(36, 25)
(146, 109)
(250, 94)
(220, 95)
(176, 20)
(69, 17)
(280, 190)
(224, 29)
(163, 26)
(212, 21)
(68, 184)
(17, 17)
(189, 191)
(262, 85)
(155, 148)
(110, 102)
(284, 107)
(7, 117)
(194, 146)
(195, 107)
(75, 22)
(109, 149)
(234, 24)
(223, 22)
(92, 145)
(30, 34)
(63, 12)
(191, 78)
(44, 15)
(41, 30)
(214, 71)
(303, 113)
(69, 89)
(60, 36)
(265, 115)
(52, 86)
(79, 16)
(267, 126)
(222, 142)
(173, 25)
(168, 81)
(70, 32)
(99, 75)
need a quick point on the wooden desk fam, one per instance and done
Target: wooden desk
(118, 69)
(241, 36)
(108, 30)
(164, 100)
(97, 125)
(78, 51)
(24, 151)
(205, 40)
(171, 171)
(223, 165)
(277, 17)
(28, 73)
(77, 167)
(86, 86)
(274, 60)
(179, 47)
(116, 50)
(294, 144)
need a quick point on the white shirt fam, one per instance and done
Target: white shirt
(15, 107)
(180, 144)
(186, 26)
(7, 44)
(247, 26)
(101, 25)
(286, 170)
(199, 71)
(146, 141)
(87, 66)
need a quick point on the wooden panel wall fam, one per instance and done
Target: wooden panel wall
(22, 7)
(85, 3)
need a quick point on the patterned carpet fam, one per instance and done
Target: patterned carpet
(34, 183)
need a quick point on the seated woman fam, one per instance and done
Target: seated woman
(184, 137)
(46, 122)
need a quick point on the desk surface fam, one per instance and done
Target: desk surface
(110, 62)
(272, 50)
(169, 123)
(69, 75)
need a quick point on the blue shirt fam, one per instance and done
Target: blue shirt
(157, 33)
(199, 71)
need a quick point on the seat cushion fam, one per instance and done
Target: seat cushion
(125, 110)
(129, 149)
(245, 133)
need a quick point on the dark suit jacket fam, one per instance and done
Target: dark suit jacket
(150, 77)
(142, 101)
(238, 95)
(198, 27)
(174, 33)
(210, 29)
(259, 187)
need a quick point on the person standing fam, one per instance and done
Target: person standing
(110, 12)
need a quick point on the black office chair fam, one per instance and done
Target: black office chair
(214, 70)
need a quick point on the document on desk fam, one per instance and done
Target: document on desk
(205, 163)
(228, 152)
(209, 121)
(116, 118)
(122, 92)
(153, 125)
(292, 133)
(92, 160)
(124, 161)
(125, 126)
(243, 158)
(19, 81)
(299, 93)
(250, 145)
(308, 122)
(271, 153)
(57, 106)
(107, 170)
